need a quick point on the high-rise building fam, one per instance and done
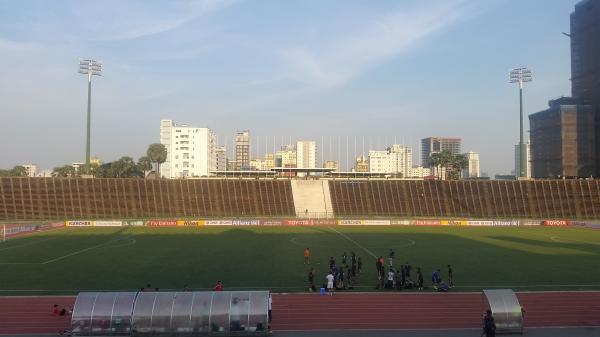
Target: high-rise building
(395, 159)
(242, 150)
(585, 61)
(286, 157)
(518, 159)
(563, 142)
(331, 164)
(269, 161)
(306, 154)
(361, 164)
(191, 151)
(437, 144)
(221, 153)
(472, 170)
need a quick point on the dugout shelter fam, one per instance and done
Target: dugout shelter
(193, 313)
(506, 309)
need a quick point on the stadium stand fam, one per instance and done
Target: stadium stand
(570, 199)
(60, 198)
(77, 198)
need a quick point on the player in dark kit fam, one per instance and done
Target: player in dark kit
(450, 277)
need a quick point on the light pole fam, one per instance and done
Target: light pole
(520, 75)
(89, 68)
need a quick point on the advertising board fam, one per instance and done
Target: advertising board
(428, 222)
(530, 222)
(161, 223)
(347, 222)
(402, 222)
(555, 223)
(245, 222)
(110, 223)
(271, 222)
(218, 222)
(79, 223)
(506, 223)
(377, 222)
(480, 223)
(453, 222)
(190, 222)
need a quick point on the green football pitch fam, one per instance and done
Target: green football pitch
(69, 260)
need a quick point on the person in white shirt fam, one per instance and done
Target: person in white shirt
(330, 279)
(390, 284)
(270, 306)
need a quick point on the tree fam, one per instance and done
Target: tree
(64, 171)
(144, 164)
(158, 154)
(434, 161)
(17, 171)
(460, 163)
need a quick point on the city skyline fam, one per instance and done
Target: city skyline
(383, 71)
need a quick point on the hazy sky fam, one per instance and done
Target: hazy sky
(318, 70)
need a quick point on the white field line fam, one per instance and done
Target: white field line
(68, 255)
(354, 242)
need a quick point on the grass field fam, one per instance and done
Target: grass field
(72, 259)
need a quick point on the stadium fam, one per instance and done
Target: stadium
(97, 236)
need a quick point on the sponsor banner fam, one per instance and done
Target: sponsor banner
(349, 222)
(506, 223)
(108, 223)
(298, 222)
(453, 222)
(480, 223)
(249, 222)
(190, 222)
(161, 223)
(79, 223)
(376, 222)
(135, 223)
(271, 222)
(530, 222)
(555, 223)
(402, 222)
(428, 222)
(324, 222)
(218, 222)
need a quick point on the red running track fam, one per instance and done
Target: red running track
(351, 311)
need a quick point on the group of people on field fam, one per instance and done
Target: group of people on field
(343, 276)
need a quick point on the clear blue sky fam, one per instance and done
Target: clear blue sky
(330, 70)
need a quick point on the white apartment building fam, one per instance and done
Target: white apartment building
(472, 170)
(518, 159)
(306, 154)
(286, 157)
(191, 151)
(420, 172)
(396, 159)
(32, 169)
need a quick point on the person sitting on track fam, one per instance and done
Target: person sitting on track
(442, 287)
(55, 310)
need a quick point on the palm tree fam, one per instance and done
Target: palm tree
(460, 163)
(158, 154)
(144, 164)
(445, 161)
(434, 161)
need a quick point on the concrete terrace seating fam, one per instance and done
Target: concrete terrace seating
(75, 198)
(568, 199)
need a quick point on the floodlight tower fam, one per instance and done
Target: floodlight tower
(89, 68)
(520, 75)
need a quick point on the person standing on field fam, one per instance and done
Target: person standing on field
(330, 288)
(311, 279)
(359, 265)
(450, 277)
(307, 256)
